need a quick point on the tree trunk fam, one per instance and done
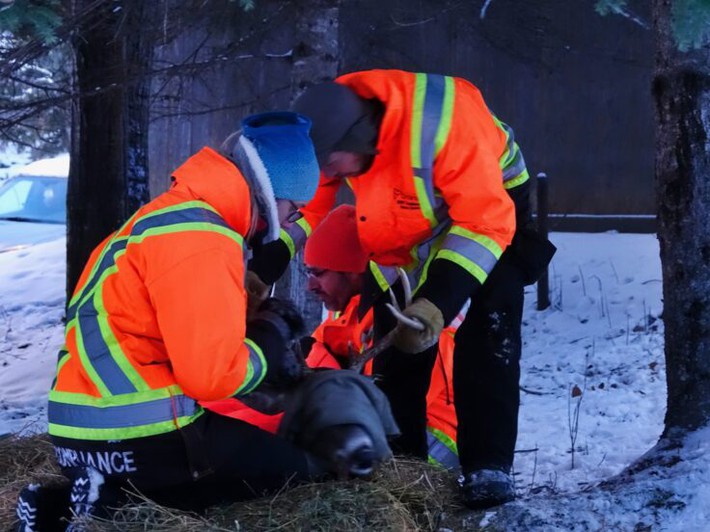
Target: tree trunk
(682, 96)
(108, 178)
(315, 60)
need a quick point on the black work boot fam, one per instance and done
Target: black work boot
(42, 508)
(484, 488)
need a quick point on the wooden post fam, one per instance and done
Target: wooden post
(543, 289)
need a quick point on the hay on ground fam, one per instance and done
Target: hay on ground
(403, 495)
(24, 460)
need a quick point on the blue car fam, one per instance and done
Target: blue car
(33, 204)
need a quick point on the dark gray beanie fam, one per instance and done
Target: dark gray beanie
(342, 120)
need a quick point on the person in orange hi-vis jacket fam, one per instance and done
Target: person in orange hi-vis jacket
(441, 189)
(158, 323)
(336, 267)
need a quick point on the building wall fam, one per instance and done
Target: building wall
(575, 86)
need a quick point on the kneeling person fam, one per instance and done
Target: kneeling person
(336, 265)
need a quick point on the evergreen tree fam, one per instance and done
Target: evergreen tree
(36, 72)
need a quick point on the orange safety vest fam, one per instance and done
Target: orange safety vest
(437, 187)
(157, 321)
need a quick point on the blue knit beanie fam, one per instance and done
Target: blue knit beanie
(285, 153)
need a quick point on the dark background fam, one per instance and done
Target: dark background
(575, 86)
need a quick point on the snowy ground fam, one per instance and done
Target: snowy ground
(593, 369)
(596, 358)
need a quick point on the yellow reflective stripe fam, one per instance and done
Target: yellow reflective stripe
(86, 363)
(432, 254)
(445, 439)
(424, 203)
(507, 155)
(178, 207)
(379, 277)
(417, 112)
(447, 111)
(286, 239)
(517, 180)
(79, 294)
(303, 224)
(487, 242)
(63, 360)
(248, 384)
(122, 433)
(110, 339)
(179, 227)
(186, 227)
(74, 398)
(468, 265)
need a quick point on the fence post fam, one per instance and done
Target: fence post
(543, 289)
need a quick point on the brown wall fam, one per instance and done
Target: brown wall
(574, 86)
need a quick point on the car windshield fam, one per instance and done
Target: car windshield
(34, 199)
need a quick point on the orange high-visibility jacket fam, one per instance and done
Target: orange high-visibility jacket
(157, 321)
(340, 333)
(437, 189)
(343, 331)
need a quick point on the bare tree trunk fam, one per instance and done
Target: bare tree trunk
(315, 60)
(108, 177)
(682, 96)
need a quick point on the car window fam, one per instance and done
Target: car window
(14, 196)
(35, 199)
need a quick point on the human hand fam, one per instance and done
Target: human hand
(411, 340)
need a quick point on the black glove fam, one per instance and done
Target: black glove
(276, 328)
(305, 344)
(270, 261)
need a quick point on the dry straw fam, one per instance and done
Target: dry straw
(402, 495)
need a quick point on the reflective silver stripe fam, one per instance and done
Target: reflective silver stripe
(99, 353)
(121, 416)
(421, 254)
(175, 215)
(441, 454)
(90, 337)
(471, 250)
(256, 369)
(512, 162)
(431, 117)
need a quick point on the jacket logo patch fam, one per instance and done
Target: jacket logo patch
(405, 201)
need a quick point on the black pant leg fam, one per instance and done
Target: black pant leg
(244, 462)
(487, 370)
(252, 462)
(405, 379)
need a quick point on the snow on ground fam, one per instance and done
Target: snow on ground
(592, 374)
(596, 359)
(32, 286)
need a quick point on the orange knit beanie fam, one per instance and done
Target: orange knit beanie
(334, 244)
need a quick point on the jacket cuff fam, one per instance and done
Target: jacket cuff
(448, 286)
(267, 336)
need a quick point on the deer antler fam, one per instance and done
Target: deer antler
(358, 360)
(394, 308)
